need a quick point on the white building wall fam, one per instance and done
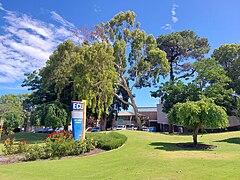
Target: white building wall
(161, 116)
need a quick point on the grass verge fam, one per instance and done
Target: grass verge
(144, 156)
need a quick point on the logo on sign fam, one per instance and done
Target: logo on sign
(77, 106)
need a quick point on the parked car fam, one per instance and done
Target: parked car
(89, 129)
(47, 130)
(144, 128)
(59, 129)
(96, 129)
(131, 127)
(38, 130)
(121, 127)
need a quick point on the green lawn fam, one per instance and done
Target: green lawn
(29, 137)
(144, 156)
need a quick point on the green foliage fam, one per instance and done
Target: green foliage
(116, 54)
(107, 141)
(213, 81)
(171, 94)
(181, 48)
(9, 147)
(228, 56)
(198, 114)
(22, 146)
(36, 151)
(138, 60)
(52, 115)
(204, 112)
(94, 76)
(56, 145)
(12, 110)
(140, 158)
(238, 106)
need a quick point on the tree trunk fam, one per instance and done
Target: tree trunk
(195, 133)
(103, 122)
(171, 71)
(171, 128)
(136, 112)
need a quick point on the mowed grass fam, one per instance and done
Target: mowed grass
(29, 137)
(144, 156)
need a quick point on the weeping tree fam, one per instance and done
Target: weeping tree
(83, 72)
(94, 77)
(50, 114)
(138, 60)
(197, 115)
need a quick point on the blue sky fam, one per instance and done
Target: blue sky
(31, 30)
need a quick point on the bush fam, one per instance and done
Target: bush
(58, 145)
(9, 147)
(22, 146)
(107, 141)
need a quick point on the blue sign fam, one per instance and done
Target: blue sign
(77, 105)
(77, 124)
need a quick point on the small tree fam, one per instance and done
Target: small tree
(198, 114)
(238, 107)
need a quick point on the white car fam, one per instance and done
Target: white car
(131, 127)
(121, 127)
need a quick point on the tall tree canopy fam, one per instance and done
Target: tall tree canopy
(198, 114)
(181, 48)
(228, 56)
(76, 72)
(138, 60)
(211, 81)
(117, 56)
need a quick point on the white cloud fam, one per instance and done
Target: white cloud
(167, 27)
(26, 43)
(61, 20)
(174, 14)
(97, 9)
(1, 8)
(174, 19)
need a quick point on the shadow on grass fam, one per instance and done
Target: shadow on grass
(178, 146)
(235, 140)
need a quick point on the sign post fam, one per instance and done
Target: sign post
(78, 119)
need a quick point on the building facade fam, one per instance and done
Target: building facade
(155, 117)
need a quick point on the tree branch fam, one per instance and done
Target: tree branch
(136, 82)
(125, 102)
(119, 84)
(186, 75)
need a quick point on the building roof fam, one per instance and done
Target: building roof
(147, 109)
(126, 113)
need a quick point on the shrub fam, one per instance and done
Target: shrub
(58, 145)
(8, 146)
(22, 146)
(33, 153)
(107, 141)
